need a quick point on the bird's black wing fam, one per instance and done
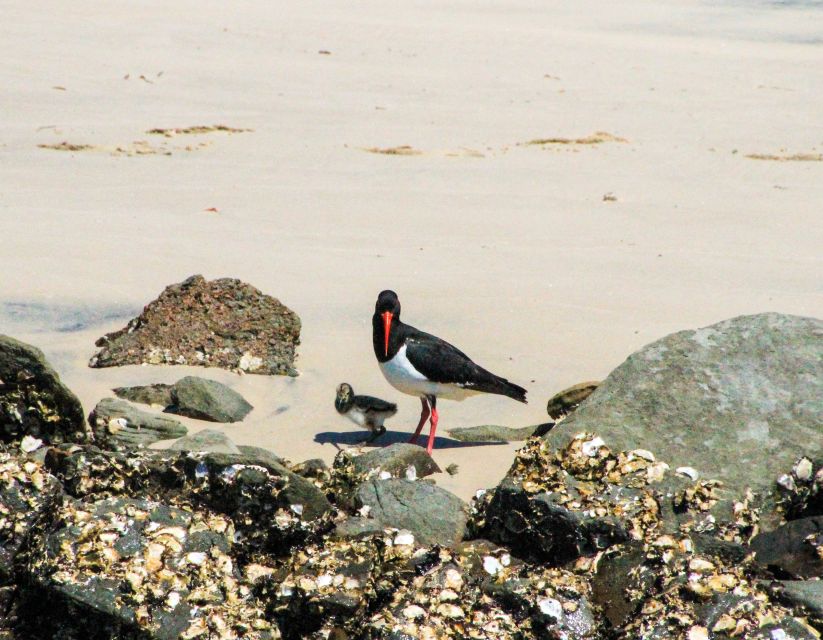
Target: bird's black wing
(375, 404)
(442, 362)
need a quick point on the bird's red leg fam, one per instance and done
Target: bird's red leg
(432, 431)
(424, 415)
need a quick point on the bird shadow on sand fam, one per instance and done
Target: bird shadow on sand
(351, 438)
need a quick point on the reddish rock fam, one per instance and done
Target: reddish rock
(219, 323)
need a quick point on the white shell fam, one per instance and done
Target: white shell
(591, 447)
(404, 537)
(802, 470)
(492, 565)
(551, 607)
(787, 482)
(411, 472)
(29, 444)
(414, 611)
(688, 471)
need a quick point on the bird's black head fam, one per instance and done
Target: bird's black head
(345, 398)
(387, 301)
(386, 317)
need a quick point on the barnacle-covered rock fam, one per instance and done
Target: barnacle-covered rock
(806, 595)
(478, 590)
(118, 425)
(27, 495)
(124, 568)
(219, 323)
(794, 550)
(33, 401)
(395, 460)
(334, 585)
(754, 381)
(432, 514)
(557, 505)
(292, 508)
(801, 488)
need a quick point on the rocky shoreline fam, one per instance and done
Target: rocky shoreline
(620, 522)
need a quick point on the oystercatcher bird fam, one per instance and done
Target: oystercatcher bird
(425, 366)
(365, 411)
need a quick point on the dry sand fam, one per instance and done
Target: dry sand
(507, 249)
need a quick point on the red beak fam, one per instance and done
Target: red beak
(387, 318)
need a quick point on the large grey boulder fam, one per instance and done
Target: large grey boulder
(33, 401)
(117, 424)
(741, 399)
(432, 514)
(207, 400)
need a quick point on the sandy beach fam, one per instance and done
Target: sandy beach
(548, 185)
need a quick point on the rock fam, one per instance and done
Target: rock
(804, 594)
(250, 493)
(621, 582)
(742, 399)
(477, 590)
(300, 495)
(313, 468)
(356, 528)
(27, 493)
(33, 401)
(334, 586)
(123, 568)
(432, 514)
(153, 394)
(801, 489)
(396, 459)
(568, 400)
(794, 550)
(220, 323)
(208, 440)
(496, 433)
(556, 506)
(116, 424)
(259, 455)
(207, 400)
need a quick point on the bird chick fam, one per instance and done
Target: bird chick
(364, 411)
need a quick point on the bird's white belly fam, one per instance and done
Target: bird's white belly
(402, 375)
(356, 417)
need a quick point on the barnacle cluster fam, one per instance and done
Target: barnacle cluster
(26, 489)
(171, 567)
(801, 490)
(479, 590)
(632, 486)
